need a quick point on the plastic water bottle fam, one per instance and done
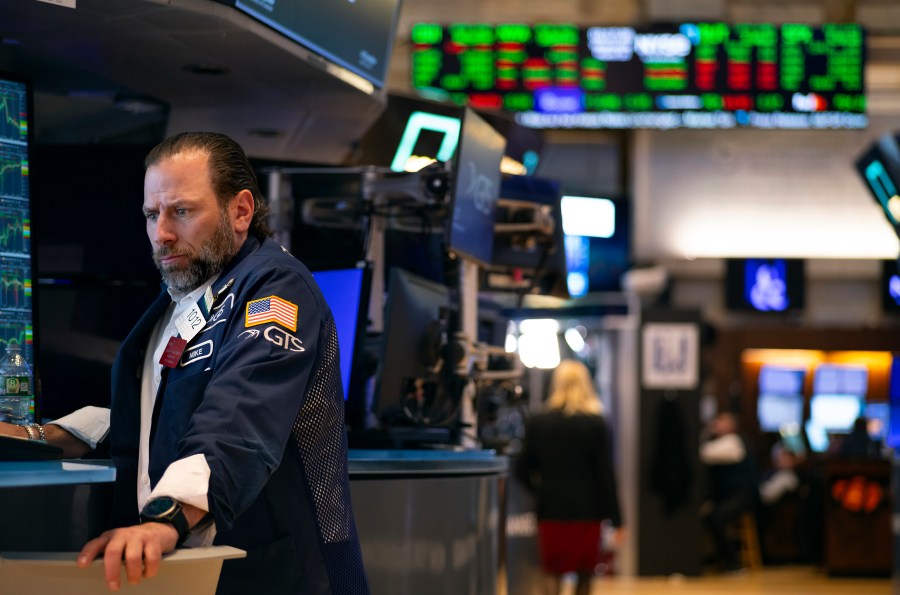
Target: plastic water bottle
(16, 395)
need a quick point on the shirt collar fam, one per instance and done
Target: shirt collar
(180, 297)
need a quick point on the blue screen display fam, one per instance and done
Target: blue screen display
(770, 285)
(893, 437)
(343, 291)
(765, 285)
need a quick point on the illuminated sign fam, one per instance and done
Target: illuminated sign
(696, 75)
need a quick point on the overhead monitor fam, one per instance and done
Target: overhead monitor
(693, 75)
(358, 36)
(475, 189)
(16, 300)
(769, 285)
(597, 243)
(879, 167)
(889, 287)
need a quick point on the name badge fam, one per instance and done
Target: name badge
(190, 322)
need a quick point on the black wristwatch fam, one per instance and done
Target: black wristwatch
(166, 510)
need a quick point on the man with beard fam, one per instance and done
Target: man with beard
(226, 424)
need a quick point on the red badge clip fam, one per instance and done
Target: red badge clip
(172, 353)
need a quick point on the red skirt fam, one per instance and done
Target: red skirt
(569, 546)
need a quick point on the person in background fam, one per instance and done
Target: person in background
(566, 460)
(858, 444)
(783, 478)
(226, 425)
(732, 481)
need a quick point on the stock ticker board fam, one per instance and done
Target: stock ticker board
(15, 219)
(693, 75)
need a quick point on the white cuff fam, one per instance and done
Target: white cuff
(88, 424)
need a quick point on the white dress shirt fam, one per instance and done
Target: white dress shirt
(185, 480)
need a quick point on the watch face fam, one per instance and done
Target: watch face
(159, 507)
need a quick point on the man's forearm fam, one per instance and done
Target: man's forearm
(72, 447)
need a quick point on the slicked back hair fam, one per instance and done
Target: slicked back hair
(229, 170)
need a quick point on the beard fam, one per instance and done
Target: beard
(209, 260)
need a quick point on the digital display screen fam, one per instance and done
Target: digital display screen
(356, 35)
(15, 219)
(838, 379)
(597, 243)
(769, 285)
(775, 412)
(890, 286)
(476, 188)
(346, 293)
(834, 413)
(693, 75)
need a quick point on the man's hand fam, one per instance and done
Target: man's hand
(141, 548)
(56, 436)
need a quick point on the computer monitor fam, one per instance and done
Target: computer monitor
(841, 379)
(16, 298)
(597, 241)
(347, 293)
(475, 188)
(775, 411)
(835, 412)
(358, 36)
(417, 319)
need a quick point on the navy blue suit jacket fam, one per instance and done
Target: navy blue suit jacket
(263, 403)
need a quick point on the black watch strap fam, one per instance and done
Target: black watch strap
(167, 510)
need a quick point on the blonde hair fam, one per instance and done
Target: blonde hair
(572, 390)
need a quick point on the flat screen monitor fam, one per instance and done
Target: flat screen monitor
(16, 299)
(841, 379)
(835, 412)
(781, 380)
(690, 74)
(347, 293)
(879, 168)
(475, 189)
(416, 316)
(768, 285)
(777, 411)
(597, 241)
(356, 35)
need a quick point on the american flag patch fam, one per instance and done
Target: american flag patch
(272, 309)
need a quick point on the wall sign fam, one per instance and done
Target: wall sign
(670, 356)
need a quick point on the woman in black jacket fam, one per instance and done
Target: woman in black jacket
(567, 461)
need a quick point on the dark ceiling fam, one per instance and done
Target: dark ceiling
(113, 71)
